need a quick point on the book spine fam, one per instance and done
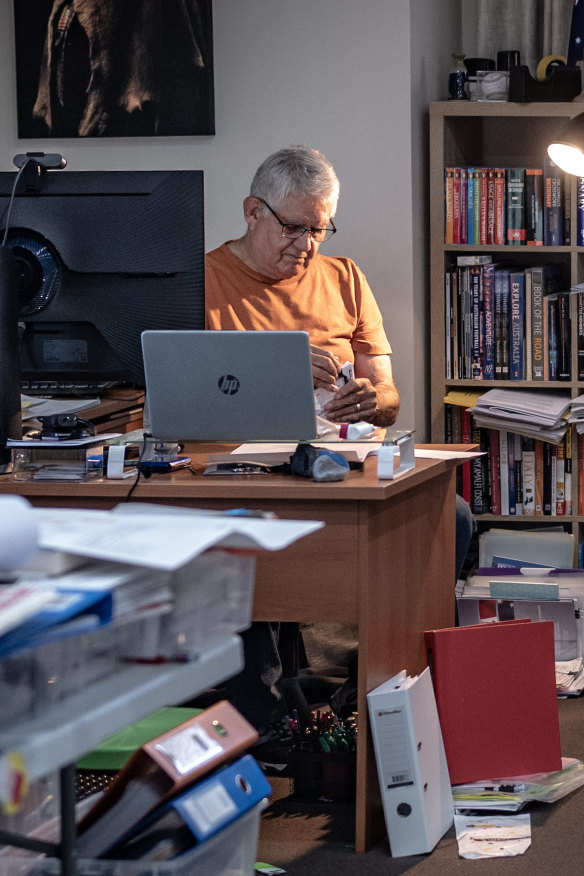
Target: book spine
(504, 472)
(537, 302)
(448, 205)
(494, 469)
(483, 205)
(560, 479)
(568, 472)
(517, 326)
(466, 433)
(500, 209)
(553, 213)
(478, 485)
(534, 206)
(580, 350)
(518, 472)
(538, 448)
(580, 210)
(490, 205)
(580, 471)
(489, 322)
(470, 191)
(511, 469)
(463, 205)
(552, 336)
(476, 285)
(448, 327)
(515, 209)
(456, 206)
(528, 363)
(547, 478)
(528, 469)
(477, 205)
(564, 337)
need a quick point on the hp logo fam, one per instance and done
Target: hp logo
(228, 384)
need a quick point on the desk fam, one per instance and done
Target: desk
(385, 559)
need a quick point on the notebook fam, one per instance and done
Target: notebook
(229, 385)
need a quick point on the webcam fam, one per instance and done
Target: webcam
(66, 426)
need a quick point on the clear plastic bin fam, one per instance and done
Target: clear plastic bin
(231, 852)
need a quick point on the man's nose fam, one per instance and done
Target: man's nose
(305, 240)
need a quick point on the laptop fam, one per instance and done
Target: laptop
(229, 385)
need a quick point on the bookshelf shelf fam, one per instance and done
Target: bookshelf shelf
(499, 135)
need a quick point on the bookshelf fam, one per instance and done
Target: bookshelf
(478, 134)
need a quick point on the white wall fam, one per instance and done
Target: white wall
(350, 78)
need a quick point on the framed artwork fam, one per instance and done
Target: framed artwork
(105, 68)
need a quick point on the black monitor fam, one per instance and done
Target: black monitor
(102, 256)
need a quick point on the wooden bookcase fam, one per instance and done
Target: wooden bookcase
(465, 133)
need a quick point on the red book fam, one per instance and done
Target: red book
(495, 688)
(466, 438)
(456, 206)
(490, 206)
(483, 205)
(499, 232)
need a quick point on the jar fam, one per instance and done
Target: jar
(457, 78)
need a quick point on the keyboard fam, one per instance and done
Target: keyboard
(49, 388)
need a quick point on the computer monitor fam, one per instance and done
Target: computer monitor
(102, 256)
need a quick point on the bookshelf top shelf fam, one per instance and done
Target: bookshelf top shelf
(486, 109)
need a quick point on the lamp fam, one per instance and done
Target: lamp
(567, 150)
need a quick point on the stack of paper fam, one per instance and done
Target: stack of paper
(542, 415)
(577, 413)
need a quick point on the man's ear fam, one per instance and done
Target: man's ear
(252, 210)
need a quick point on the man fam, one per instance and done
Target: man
(274, 277)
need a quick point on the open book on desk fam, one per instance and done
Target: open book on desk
(279, 454)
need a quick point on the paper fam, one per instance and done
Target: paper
(160, 540)
(495, 836)
(34, 406)
(69, 442)
(18, 532)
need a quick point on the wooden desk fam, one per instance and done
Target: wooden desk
(384, 559)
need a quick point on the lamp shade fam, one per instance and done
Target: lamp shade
(567, 150)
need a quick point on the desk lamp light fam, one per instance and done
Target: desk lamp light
(31, 168)
(567, 151)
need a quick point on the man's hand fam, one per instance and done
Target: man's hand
(325, 368)
(354, 401)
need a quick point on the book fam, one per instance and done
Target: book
(488, 322)
(495, 471)
(511, 472)
(448, 205)
(553, 213)
(500, 207)
(518, 473)
(476, 292)
(534, 206)
(580, 211)
(504, 471)
(463, 205)
(538, 451)
(483, 205)
(568, 471)
(580, 333)
(490, 205)
(517, 326)
(495, 687)
(528, 469)
(502, 293)
(456, 206)
(159, 770)
(515, 209)
(538, 276)
(552, 313)
(560, 481)
(470, 217)
(564, 337)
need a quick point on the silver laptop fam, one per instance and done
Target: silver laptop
(229, 385)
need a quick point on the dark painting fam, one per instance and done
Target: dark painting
(114, 68)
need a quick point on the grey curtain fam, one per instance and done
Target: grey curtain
(536, 28)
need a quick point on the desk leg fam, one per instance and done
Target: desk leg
(406, 585)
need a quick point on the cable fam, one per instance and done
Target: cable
(13, 193)
(145, 436)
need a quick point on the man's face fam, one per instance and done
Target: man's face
(281, 257)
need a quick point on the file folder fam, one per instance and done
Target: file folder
(495, 688)
(411, 763)
(197, 814)
(159, 770)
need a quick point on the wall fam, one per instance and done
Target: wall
(352, 79)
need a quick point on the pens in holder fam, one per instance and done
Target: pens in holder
(352, 431)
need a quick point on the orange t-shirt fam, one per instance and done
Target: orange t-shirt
(331, 300)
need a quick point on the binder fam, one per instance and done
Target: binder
(197, 814)
(159, 770)
(411, 763)
(495, 688)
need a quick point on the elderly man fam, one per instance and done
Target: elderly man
(274, 277)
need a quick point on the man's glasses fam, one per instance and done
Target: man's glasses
(319, 235)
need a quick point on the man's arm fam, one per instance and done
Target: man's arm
(371, 396)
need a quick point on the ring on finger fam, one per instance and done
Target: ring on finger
(358, 406)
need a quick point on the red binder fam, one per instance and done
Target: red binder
(495, 688)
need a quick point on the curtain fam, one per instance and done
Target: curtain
(536, 28)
